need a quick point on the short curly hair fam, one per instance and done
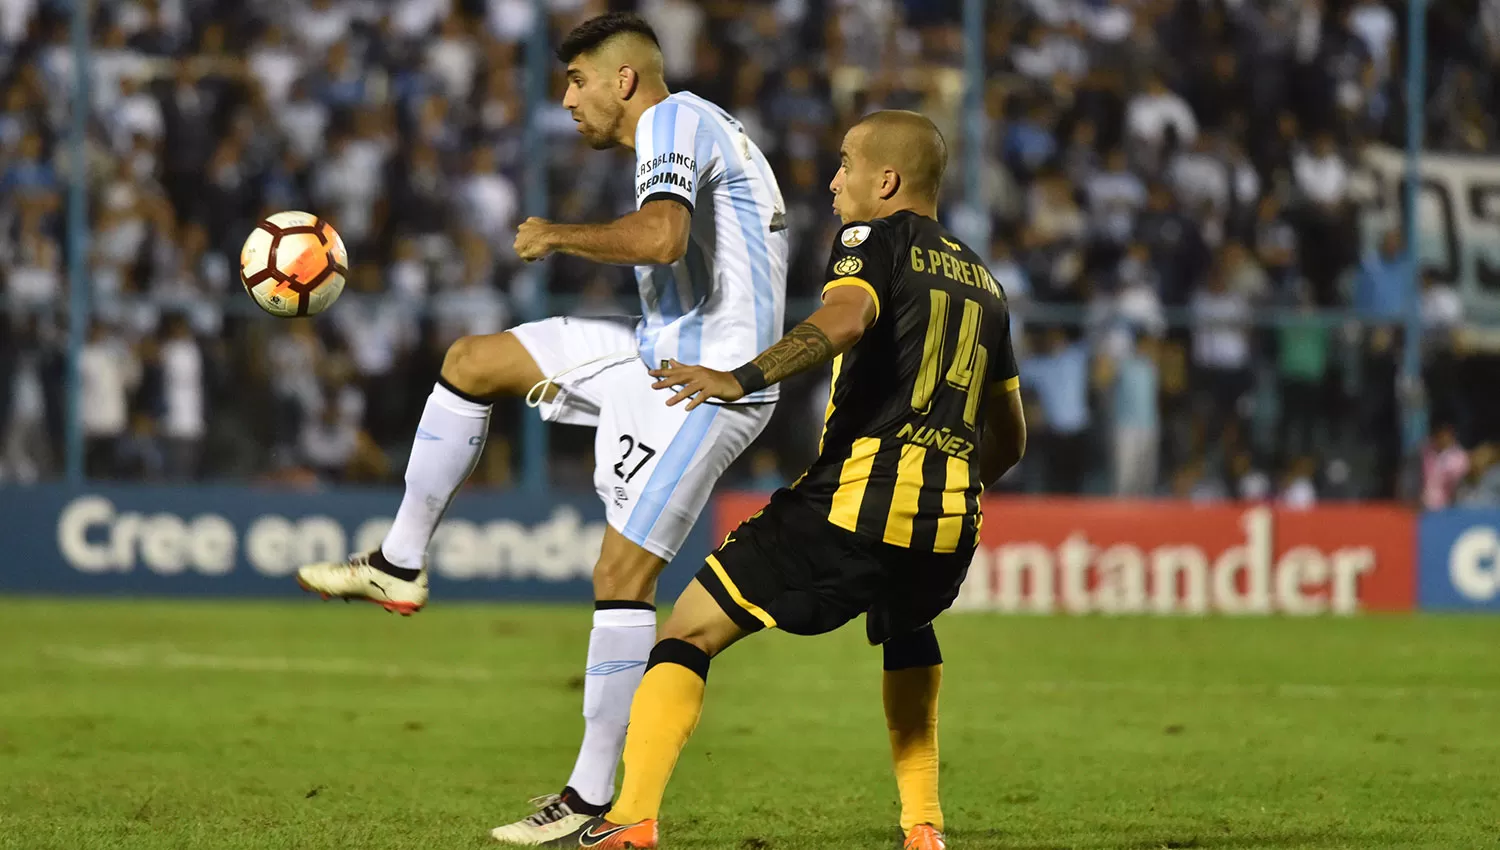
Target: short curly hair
(595, 31)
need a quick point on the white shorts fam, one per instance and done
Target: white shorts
(654, 465)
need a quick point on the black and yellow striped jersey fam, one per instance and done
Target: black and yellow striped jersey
(899, 456)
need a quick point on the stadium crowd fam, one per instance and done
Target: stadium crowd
(1142, 160)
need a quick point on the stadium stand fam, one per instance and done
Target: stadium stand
(1157, 173)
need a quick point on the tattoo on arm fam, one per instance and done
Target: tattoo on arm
(805, 347)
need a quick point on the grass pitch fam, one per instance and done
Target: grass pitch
(230, 726)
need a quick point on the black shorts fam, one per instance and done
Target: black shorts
(788, 567)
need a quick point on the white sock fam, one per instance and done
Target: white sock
(449, 441)
(618, 648)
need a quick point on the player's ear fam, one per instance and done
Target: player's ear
(890, 184)
(629, 80)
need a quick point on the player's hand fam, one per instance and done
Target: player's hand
(697, 383)
(534, 239)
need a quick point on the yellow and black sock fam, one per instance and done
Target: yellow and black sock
(662, 718)
(913, 675)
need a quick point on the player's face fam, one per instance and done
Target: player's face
(856, 185)
(592, 99)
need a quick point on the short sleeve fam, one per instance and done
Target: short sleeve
(861, 257)
(1003, 370)
(670, 162)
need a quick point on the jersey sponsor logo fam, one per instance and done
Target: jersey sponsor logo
(848, 266)
(668, 159)
(666, 178)
(855, 236)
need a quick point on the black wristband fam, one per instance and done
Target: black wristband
(751, 378)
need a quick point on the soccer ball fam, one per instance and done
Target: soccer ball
(294, 264)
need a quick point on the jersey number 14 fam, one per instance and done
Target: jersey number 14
(968, 364)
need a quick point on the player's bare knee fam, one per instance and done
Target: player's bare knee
(463, 366)
(712, 635)
(698, 619)
(489, 366)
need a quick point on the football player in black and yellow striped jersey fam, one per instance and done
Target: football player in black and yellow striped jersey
(924, 412)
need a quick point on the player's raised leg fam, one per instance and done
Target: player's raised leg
(913, 676)
(449, 440)
(665, 710)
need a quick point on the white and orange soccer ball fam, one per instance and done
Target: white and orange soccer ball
(294, 264)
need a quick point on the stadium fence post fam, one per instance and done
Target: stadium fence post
(977, 212)
(536, 304)
(1416, 110)
(78, 222)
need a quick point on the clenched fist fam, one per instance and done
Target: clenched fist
(534, 239)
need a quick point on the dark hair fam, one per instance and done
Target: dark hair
(595, 31)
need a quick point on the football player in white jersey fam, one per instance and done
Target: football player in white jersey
(710, 248)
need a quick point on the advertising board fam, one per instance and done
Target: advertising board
(249, 541)
(1079, 556)
(1458, 557)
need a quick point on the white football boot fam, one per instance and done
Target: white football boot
(356, 578)
(556, 816)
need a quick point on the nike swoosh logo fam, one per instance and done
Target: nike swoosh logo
(428, 435)
(590, 838)
(377, 586)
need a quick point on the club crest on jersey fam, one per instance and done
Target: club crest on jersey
(848, 266)
(855, 236)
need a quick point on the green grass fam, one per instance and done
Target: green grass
(227, 726)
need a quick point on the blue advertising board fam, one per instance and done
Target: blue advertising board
(245, 541)
(1458, 557)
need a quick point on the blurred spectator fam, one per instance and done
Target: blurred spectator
(1298, 490)
(1221, 351)
(1275, 239)
(25, 450)
(678, 24)
(1059, 375)
(1192, 483)
(108, 373)
(1115, 194)
(1481, 488)
(1302, 367)
(1384, 279)
(183, 425)
(328, 443)
(1442, 322)
(1250, 484)
(1157, 114)
(1444, 466)
(1161, 167)
(139, 455)
(1137, 423)
(490, 202)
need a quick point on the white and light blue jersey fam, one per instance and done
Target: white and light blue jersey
(724, 302)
